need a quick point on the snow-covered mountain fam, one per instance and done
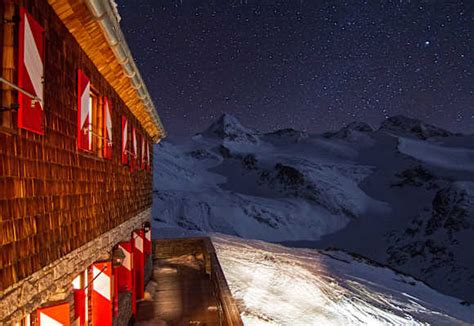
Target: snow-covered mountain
(400, 195)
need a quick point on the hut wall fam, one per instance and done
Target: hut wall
(54, 282)
(55, 198)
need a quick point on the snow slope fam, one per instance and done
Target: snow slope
(438, 155)
(275, 285)
(400, 195)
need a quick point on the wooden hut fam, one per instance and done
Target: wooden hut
(76, 131)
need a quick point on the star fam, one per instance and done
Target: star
(308, 65)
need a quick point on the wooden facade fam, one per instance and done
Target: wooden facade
(54, 197)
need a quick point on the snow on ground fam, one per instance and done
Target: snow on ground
(445, 157)
(275, 285)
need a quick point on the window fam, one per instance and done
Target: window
(107, 129)
(26, 321)
(96, 128)
(94, 119)
(21, 96)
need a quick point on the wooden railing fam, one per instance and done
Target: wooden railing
(202, 247)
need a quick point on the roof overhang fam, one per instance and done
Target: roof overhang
(94, 26)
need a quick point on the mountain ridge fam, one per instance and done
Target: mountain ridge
(330, 190)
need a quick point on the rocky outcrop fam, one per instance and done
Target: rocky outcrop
(402, 125)
(437, 239)
(287, 135)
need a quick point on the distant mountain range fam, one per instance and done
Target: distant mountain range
(401, 195)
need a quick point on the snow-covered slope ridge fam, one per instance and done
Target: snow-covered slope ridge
(275, 285)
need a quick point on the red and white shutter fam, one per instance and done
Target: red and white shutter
(84, 116)
(115, 279)
(147, 241)
(139, 263)
(124, 140)
(134, 281)
(30, 73)
(57, 315)
(125, 269)
(107, 129)
(80, 305)
(101, 294)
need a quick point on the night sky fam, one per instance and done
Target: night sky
(311, 65)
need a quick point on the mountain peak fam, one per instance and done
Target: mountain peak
(228, 127)
(418, 128)
(354, 131)
(229, 119)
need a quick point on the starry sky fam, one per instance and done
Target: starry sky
(312, 65)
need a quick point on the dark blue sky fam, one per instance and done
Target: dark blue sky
(310, 65)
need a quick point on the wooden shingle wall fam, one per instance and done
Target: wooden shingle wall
(53, 197)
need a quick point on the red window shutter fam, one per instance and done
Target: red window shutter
(134, 280)
(124, 140)
(125, 269)
(56, 315)
(80, 305)
(101, 293)
(107, 129)
(30, 73)
(116, 290)
(147, 242)
(84, 137)
(139, 263)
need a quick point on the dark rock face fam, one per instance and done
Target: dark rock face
(201, 154)
(453, 211)
(417, 176)
(417, 128)
(347, 131)
(288, 134)
(224, 151)
(359, 126)
(288, 175)
(437, 239)
(250, 162)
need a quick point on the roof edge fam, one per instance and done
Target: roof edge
(103, 13)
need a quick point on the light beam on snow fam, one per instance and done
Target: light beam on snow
(274, 285)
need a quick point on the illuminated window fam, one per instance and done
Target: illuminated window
(96, 127)
(26, 321)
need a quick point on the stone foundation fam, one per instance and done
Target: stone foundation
(53, 282)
